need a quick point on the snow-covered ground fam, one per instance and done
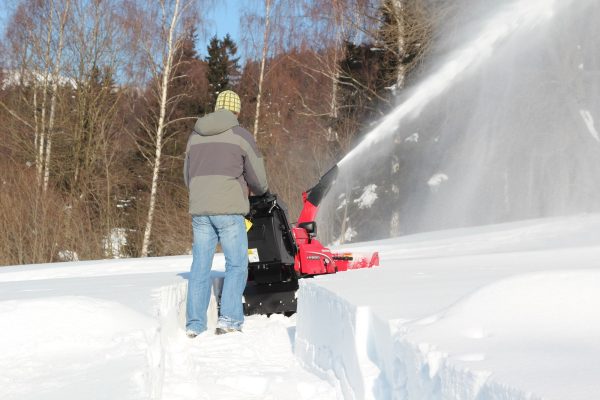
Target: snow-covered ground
(499, 312)
(113, 329)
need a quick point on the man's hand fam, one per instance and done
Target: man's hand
(264, 198)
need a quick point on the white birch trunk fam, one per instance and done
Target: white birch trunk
(332, 135)
(36, 130)
(333, 105)
(54, 95)
(168, 65)
(41, 146)
(398, 13)
(42, 139)
(262, 67)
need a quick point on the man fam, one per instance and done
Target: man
(222, 163)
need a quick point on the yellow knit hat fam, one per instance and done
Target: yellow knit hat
(228, 100)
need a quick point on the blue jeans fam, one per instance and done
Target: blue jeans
(230, 231)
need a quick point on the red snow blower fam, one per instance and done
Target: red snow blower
(280, 253)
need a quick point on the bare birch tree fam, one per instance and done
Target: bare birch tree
(62, 17)
(172, 18)
(41, 26)
(263, 61)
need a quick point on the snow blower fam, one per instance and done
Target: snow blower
(281, 253)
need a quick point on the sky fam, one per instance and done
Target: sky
(223, 19)
(5, 11)
(505, 311)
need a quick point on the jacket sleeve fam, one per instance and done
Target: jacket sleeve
(254, 169)
(255, 175)
(186, 175)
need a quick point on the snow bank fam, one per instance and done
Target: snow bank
(88, 330)
(499, 316)
(95, 336)
(532, 333)
(333, 338)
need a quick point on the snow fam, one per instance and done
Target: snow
(349, 234)
(436, 180)
(413, 138)
(500, 312)
(114, 329)
(343, 204)
(494, 312)
(346, 236)
(368, 197)
(589, 123)
(68, 255)
(114, 245)
(12, 77)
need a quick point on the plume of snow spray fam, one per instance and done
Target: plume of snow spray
(499, 27)
(501, 126)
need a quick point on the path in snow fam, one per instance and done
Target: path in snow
(256, 364)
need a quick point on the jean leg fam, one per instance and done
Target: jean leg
(234, 241)
(199, 283)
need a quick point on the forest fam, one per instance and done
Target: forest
(98, 98)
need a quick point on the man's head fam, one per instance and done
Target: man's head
(228, 100)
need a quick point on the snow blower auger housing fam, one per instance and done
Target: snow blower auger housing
(280, 254)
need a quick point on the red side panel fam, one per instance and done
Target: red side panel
(315, 259)
(312, 257)
(309, 210)
(302, 238)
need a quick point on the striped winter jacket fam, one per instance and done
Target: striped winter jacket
(222, 163)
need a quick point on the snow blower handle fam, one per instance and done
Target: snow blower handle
(262, 201)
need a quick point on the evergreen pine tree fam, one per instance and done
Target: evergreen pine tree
(223, 66)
